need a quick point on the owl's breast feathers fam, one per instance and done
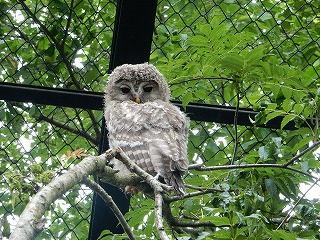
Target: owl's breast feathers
(153, 135)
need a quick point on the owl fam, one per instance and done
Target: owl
(140, 120)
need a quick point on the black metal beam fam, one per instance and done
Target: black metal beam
(51, 96)
(93, 101)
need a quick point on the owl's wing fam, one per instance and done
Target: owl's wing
(153, 135)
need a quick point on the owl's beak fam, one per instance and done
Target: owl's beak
(138, 100)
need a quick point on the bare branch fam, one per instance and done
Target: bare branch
(174, 222)
(301, 154)
(235, 123)
(158, 215)
(288, 216)
(110, 203)
(60, 48)
(199, 167)
(66, 32)
(201, 78)
(55, 42)
(69, 129)
(169, 199)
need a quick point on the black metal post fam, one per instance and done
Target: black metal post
(131, 44)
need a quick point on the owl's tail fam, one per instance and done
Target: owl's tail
(175, 180)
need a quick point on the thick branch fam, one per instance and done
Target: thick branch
(26, 227)
(110, 203)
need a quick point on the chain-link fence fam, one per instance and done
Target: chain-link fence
(66, 44)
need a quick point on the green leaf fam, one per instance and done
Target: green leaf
(271, 187)
(273, 115)
(302, 143)
(186, 99)
(263, 153)
(277, 141)
(281, 234)
(287, 105)
(286, 120)
(304, 166)
(232, 61)
(287, 92)
(34, 111)
(298, 108)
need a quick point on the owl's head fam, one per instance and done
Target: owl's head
(137, 82)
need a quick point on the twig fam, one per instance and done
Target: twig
(68, 24)
(301, 154)
(169, 199)
(174, 222)
(262, 165)
(288, 216)
(235, 123)
(110, 203)
(202, 78)
(158, 216)
(55, 42)
(69, 129)
(63, 55)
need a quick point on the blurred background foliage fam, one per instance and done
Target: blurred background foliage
(262, 55)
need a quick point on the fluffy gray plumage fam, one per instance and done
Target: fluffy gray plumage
(148, 128)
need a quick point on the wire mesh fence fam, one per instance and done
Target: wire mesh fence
(66, 44)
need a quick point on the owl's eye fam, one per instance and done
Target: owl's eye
(125, 89)
(147, 89)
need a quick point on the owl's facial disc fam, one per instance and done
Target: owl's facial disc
(125, 89)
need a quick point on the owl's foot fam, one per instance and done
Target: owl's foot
(131, 189)
(157, 177)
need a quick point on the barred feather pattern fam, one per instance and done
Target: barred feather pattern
(153, 135)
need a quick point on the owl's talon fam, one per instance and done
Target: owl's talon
(157, 176)
(131, 189)
(111, 164)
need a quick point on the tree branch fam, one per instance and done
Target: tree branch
(151, 180)
(288, 216)
(110, 203)
(169, 199)
(235, 123)
(55, 42)
(174, 222)
(199, 167)
(158, 215)
(66, 32)
(301, 154)
(60, 48)
(69, 129)
(28, 224)
(201, 78)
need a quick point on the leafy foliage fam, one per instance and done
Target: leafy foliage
(257, 54)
